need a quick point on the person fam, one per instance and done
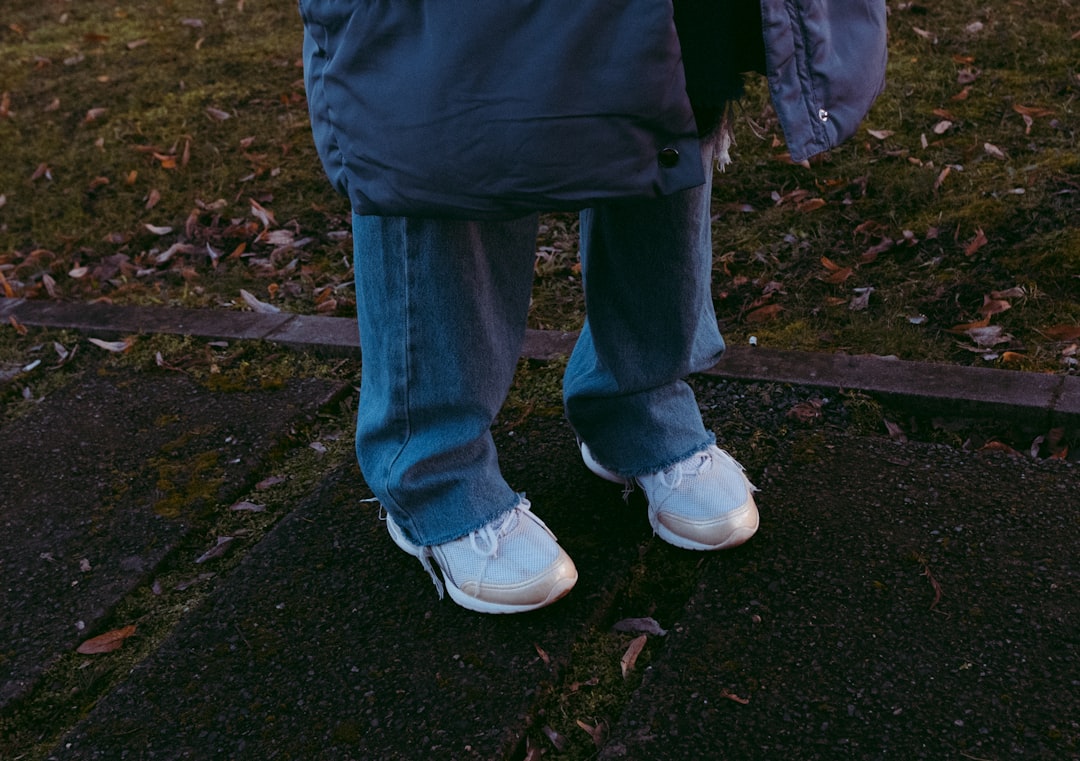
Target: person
(443, 295)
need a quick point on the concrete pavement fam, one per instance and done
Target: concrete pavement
(901, 600)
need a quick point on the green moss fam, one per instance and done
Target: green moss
(191, 482)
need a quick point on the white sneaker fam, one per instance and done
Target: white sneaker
(511, 565)
(701, 503)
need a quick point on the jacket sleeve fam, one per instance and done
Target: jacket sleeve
(825, 63)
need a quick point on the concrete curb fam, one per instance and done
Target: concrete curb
(1038, 399)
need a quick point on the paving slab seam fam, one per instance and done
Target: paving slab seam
(1051, 400)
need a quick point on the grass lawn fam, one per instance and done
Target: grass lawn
(160, 153)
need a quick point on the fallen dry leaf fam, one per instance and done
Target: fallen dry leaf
(597, 733)
(217, 551)
(896, 433)
(993, 306)
(256, 305)
(765, 313)
(629, 659)
(862, 299)
(107, 642)
(975, 243)
(248, 507)
(113, 346)
(988, 336)
(1062, 332)
(999, 446)
(810, 204)
(806, 412)
(732, 696)
(263, 214)
(266, 483)
(558, 740)
(941, 177)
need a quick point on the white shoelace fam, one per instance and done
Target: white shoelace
(491, 533)
(673, 476)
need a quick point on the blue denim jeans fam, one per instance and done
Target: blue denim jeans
(442, 306)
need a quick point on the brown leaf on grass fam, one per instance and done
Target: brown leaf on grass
(107, 642)
(217, 114)
(263, 214)
(993, 306)
(9, 292)
(881, 247)
(597, 733)
(966, 326)
(810, 204)
(1034, 112)
(837, 274)
(94, 114)
(975, 243)
(19, 327)
(167, 161)
(152, 198)
(806, 412)
(941, 177)
(999, 446)
(42, 170)
(629, 658)
(764, 314)
(1062, 332)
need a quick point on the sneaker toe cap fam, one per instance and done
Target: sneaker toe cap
(730, 529)
(537, 591)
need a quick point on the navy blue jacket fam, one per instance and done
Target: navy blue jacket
(493, 108)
